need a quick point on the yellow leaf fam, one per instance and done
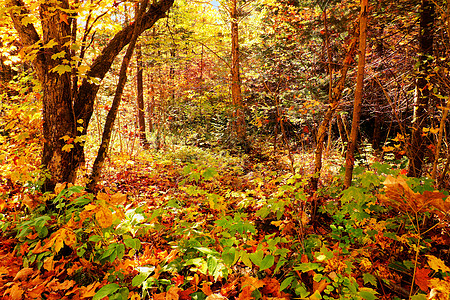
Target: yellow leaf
(70, 237)
(434, 130)
(59, 187)
(67, 147)
(103, 197)
(436, 264)
(104, 217)
(118, 198)
(90, 207)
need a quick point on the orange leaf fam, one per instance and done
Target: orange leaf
(104, 217)
(216, 297)
(23, 274)
(422, 279)
(15, 292)
(161, 296)
(271, 286)
(206, 289)
(172, 293)
(89, 291)
(118, 198)
(59, 187)
(63, 18)
(49, 263)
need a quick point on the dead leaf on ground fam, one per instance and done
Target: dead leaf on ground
(24, 274)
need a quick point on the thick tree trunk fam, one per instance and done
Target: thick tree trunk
(64, 106)
(417, 149)
(350, 157)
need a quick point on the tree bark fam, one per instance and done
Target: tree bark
(140, 97)
(350, 157)
(334, 100)
(112, 113)
(65, 108)
(239, 117)
(417, 147)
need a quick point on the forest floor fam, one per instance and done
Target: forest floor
(198, 224)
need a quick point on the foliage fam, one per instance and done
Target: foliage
(199, 227)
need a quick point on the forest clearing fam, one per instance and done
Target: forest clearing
(231, 149)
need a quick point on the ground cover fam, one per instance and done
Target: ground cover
(200, 224)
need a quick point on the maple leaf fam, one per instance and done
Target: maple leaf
(271, 286)
(436, 264)
(422, 279)
(215, 297)
(249, 284)
(63, 18)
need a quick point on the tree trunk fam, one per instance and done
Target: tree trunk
(112, 114)
(350, 158)
(140, 97)
(64, 105)
(239, 117)
(334, 99)
(417, 148)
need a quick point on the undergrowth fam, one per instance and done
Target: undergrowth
(196, 224)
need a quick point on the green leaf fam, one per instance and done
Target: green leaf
(207, 251)
(133, 243)
(209, 173)
(211, 264)
(257, 257)
(106, 291)
(286, 283)
(58, 55)
(228, 256)
(305, 267)
(369, 278)
(267, 262)
(419, 297)
(368, 294)
(139, 279)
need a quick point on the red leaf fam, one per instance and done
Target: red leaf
(422, 278)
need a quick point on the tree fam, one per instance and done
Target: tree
(418, 147)
(350, 159)
(239, 117)
(68, 94)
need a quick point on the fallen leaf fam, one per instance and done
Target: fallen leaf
(216, 297)
(172, 293)
(206, 289)
(23, 274)
(118, 199)
(49, 263)
(15, 292)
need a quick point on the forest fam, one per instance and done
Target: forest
(224, 149)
